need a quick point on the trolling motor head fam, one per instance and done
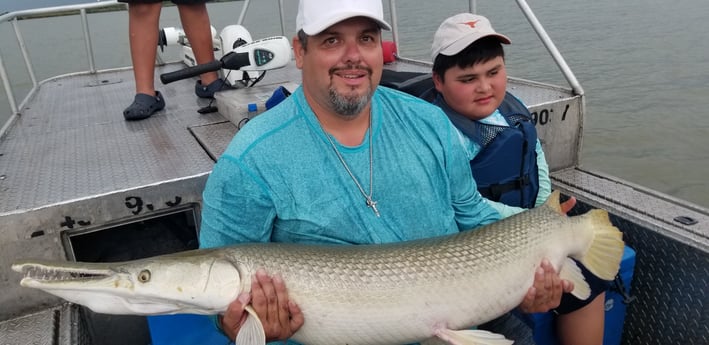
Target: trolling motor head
(264, 54)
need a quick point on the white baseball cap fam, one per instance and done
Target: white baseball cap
(314, 16)
(461, 30)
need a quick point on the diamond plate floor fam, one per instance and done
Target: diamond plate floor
(671, 273)
(73, 141)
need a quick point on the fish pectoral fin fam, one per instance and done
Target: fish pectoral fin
(251, 332)
(472, 337)
(571, 272)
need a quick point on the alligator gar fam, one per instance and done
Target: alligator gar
(395, 293)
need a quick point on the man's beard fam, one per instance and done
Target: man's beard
(349, 105)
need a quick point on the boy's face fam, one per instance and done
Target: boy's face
(476, 91)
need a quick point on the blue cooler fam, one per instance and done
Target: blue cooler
(616, 304)
(617, 299)
(184, 329)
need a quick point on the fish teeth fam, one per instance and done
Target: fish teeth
(54, 274)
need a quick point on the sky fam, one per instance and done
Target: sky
(16, 5)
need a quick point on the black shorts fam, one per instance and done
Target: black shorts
(570, 303)
(176, 2)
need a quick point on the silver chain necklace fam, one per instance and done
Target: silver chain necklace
(368, 198)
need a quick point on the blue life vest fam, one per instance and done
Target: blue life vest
(505, 169)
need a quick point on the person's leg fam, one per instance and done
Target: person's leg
(143, 22)
(583, 326)
(195, 22)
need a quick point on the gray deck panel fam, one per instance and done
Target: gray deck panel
(78, 143)
(215, 137)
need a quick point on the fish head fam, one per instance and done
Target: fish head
(195, 283)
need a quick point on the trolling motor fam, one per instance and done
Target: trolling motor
(228, 40)
(235, 52)
(260, 55)
(257, 56)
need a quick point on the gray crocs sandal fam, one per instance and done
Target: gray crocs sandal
(207, 91)
(143, 106)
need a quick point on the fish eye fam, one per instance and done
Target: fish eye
(144, 276)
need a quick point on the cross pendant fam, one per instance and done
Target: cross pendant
(373, 204)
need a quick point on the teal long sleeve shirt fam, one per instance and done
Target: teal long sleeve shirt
(280, 179)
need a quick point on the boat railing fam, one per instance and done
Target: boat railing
(14, 17)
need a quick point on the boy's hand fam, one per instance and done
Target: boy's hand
(545, 293)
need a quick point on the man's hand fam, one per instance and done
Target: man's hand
(269, 298)
(545, 293)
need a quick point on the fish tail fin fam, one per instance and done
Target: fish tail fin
(606, 250)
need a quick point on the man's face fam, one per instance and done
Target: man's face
(476, 91)
(342, 66)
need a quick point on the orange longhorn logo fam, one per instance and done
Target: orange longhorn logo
(471, 24)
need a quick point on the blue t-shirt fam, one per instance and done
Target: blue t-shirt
(280, 179)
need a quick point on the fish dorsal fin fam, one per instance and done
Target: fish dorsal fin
(571, 272)
(251, 332)
(553, 202)
(472, 337)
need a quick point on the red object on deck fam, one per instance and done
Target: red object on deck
(389, 51)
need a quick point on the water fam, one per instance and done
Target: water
(15, 5)
(644, 65)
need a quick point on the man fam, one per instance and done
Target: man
(340, 161)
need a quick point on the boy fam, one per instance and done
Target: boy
(506, 157)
